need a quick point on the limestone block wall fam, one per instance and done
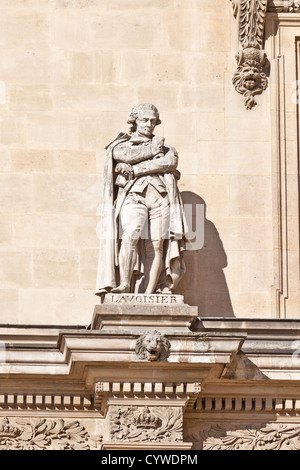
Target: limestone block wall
(70, 72)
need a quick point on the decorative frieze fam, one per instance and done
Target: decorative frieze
(45, 434)
(146, 424)
(273, 436)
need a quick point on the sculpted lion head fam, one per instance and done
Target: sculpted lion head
(152, 346)
(250, 76)
(249, 79)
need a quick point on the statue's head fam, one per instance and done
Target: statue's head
(143, 119)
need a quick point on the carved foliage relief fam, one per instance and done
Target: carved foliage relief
(252, 22)
(274, 436)
(45, 434)
(250, 79)
(146, 424)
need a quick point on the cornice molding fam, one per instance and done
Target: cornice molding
(249, 404)
(180, 393)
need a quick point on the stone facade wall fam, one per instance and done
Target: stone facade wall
(71, 70)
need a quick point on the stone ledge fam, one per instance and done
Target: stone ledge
(121, 311)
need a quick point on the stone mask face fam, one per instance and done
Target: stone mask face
(250, 77)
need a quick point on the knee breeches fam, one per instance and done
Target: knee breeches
(146, 216)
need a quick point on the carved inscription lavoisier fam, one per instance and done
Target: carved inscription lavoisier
(142, 299)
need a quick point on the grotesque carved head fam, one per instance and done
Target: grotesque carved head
(142, 109)
(249, 79)
(250, 76)
(152, 346)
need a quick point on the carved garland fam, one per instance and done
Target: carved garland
(274, 436)
(249, 79)
(45, 434)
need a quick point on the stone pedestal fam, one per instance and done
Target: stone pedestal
(141, 311)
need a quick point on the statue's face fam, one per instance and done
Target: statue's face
(146, 122)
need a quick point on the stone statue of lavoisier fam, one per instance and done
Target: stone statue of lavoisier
(142, 227)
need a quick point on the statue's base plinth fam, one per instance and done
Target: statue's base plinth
(118, 311)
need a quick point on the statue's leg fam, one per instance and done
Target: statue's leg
(159, 215)
(132, 217)
(154, 264)
(127, 260)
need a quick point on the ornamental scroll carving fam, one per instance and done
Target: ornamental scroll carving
(274, 436)
(45, 434)
(146, 424)
(250, 79)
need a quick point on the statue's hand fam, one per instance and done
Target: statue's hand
(126, 170)
(157, 145)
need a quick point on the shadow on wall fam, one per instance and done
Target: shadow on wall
(204, 283)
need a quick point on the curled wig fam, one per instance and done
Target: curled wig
(137, 110)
